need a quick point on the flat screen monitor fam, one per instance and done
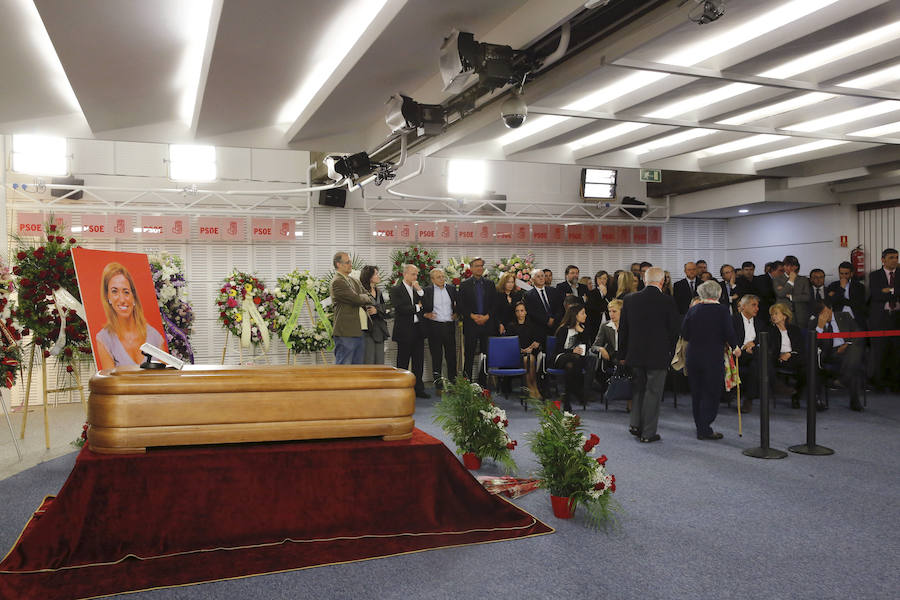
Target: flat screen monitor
(598, 184)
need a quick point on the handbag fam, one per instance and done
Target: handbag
(619, 387)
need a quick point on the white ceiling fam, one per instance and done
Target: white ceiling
(229, 72)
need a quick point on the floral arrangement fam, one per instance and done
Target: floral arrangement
(246, 309)
(10, 351)
(568, 465)
(82, 439)
(293, 291)
(423, 258)
(474, 423)
(458, 270)
(176, 311)
(48, 296)
(518, 266)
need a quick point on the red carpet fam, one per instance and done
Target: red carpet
(178, 516)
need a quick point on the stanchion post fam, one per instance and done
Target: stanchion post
(763, 451)
(812, 374)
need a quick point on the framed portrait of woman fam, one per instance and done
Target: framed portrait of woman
(120, 303)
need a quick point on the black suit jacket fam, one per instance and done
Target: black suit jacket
(428, 298)
(405, 313)
(466, 302)
(846, 324)
(683, 294)
(736, 290)
(878, 281)
(648, 329)
(765, 289)
(536, 310)
(758, 325)
(797, 337)
(564, 289)
(857, 301)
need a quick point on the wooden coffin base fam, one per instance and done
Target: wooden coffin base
(131, 410)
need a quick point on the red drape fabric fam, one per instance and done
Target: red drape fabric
(176, 516)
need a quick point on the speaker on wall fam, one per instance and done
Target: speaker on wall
(631, 200)
(59, 193)
(336, 197)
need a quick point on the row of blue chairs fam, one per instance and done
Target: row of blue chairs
(504, 358)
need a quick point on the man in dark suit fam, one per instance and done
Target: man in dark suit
(543, 303)
(570, 285)
(731, 292)
(475, 306)
(439, 306)
(644, 266)
(792, 289)
(847, 295)
(765, 286)
(884, 314)
(685, 290)
(842, 355)
(817, 294)
(409, 327)
(648, 329)
(747, 326)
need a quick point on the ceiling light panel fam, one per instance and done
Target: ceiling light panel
(794, 150)
(878, 131)
(741, 144)
(671, 140)
(874, 79)
(847, 116)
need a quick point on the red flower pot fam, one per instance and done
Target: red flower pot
(471, 461)
(563, 508)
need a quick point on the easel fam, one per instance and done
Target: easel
(46, 393)
(240, 350)
(12, 434)
(312, 319)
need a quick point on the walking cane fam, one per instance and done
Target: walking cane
(740, 425)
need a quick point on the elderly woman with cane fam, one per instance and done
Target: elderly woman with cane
(709, 331)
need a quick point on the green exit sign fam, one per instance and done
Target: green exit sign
(651, 175)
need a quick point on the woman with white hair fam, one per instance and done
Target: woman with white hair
(709, 330)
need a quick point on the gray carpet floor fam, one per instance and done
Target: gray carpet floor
(700, 520)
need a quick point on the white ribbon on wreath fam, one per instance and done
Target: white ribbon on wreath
(248, 308)
(63, 299)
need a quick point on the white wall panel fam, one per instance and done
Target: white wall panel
(139, 159)
(878, 230)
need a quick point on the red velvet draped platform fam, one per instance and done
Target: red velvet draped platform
(186, 515)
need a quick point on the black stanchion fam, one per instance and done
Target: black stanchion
(812, 373)
(763, 451)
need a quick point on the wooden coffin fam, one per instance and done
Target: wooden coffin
(131, 409)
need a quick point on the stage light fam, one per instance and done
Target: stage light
(192, 163)
(462, 56)
(709, 11)
(39, 155)
(405, 114)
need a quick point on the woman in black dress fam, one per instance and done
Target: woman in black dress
(597, 304)
(787, 348)
(507, 296)
(378, 329)
(571, 349)
(530, 334)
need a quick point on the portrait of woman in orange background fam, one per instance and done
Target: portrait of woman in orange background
(120, 302)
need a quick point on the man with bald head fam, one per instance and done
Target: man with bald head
(686, 289)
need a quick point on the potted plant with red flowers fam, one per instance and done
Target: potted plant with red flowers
(423, 258)
(569, 467)
(476, 425)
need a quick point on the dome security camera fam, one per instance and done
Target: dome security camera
(513, 111)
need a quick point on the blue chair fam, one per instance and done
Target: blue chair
(551, 371)
(504, 358)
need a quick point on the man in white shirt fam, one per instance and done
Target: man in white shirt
(409, 330)
(439, 305)
(747, 326)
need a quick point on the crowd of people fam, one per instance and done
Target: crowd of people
(634, 318)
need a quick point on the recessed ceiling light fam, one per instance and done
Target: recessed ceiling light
(743, 210)
(740, 144)
(847, 116)
(801, 149)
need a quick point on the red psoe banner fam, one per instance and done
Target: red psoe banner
(484, 233)
(521, 233)
(465, 232)
(623, 234)
(285, 230)
(503, 233)
(262, 230)
(95, 226)
(235, 229)
(406, 231)
(177, 228)
(121, 226)
(575, 234)
(608, 234)
(557, 233)
(445, 232)
(639, 234)
(654, 234)
(385, 231)
(427, 232)
(153, 228)
(591, 234)
(540, 233)
(210, 228)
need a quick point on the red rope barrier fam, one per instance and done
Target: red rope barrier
(857, 334)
